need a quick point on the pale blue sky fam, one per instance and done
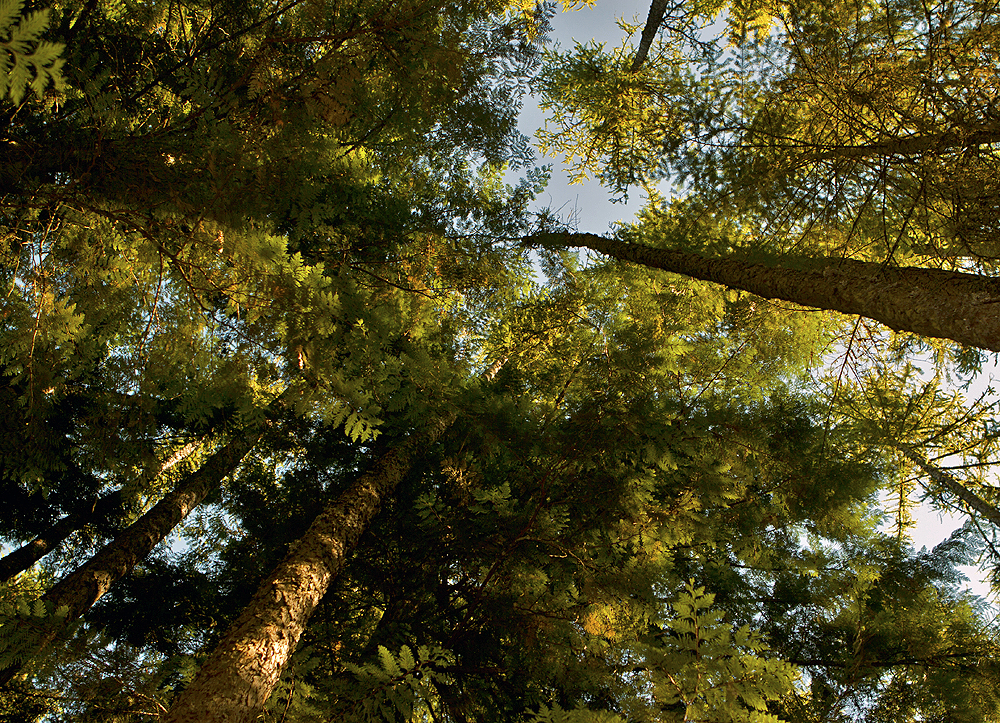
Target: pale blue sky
(590, 204)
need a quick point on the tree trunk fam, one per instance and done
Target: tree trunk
(974, 502)
(237, 678)
(28, 554)
(31, 552)
(944, 304)
(912, 145)
(79, 590)
(653, 21)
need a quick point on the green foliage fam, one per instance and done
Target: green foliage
(25, 60)
(24, 618)
(401, 687)
(901, 629)
(712, 671)
(556, 714)
(294, 225)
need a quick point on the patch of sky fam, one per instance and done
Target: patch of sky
(586, 205)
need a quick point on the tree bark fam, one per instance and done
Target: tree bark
(931, 302)
(912, 145)
(237, 678)
(28, 554)
(653, 21)
(974, 502)
(31, 552)
(79, 590)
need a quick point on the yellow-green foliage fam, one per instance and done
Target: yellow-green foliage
(25, 60)
(706, 670)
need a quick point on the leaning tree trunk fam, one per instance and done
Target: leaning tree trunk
(931, 302)
(79, 590)
(28, 554)
(656, 12)
(974, 502)
(237, 678)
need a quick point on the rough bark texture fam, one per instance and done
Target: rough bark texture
(931, 302)
(237, 678)
(979, 505)
(79, 590)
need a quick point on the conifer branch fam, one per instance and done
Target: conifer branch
(952, 485)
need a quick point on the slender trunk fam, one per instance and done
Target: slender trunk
(82, 588)
(28, 554)
(79, 590)
(237, 678)
(976, 503)
(31, 552)
(656, 12)
(931, 302)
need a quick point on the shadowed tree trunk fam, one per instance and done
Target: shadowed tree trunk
(931, 302)
(952, 485)
(31, 552)
(656, 12)
(79, 590)
(237, 678)
(28, 554)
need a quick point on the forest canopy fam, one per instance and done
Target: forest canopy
(308, 413)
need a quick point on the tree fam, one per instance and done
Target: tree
(531, 526)
(981, 508)
(90, 325)
(292, 219)
(234, 683)
(72, 596)
(779, 157)
(104, 507)
(931, 302)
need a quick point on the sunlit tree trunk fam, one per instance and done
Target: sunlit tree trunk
(237, 678)
(930, 302)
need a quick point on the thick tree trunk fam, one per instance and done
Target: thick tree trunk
(79, 590)
(237, 678)
(952, 485)
(931, 302)
(28, 554)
